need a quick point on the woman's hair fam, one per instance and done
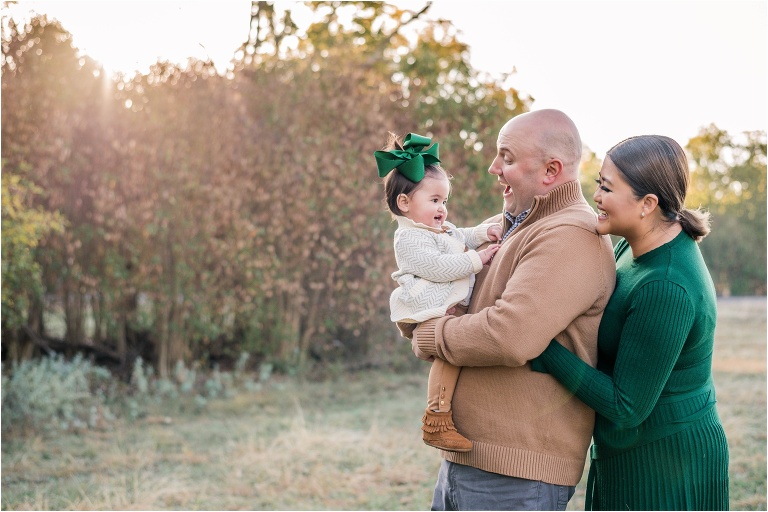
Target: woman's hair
(395, 183)
(654, 164)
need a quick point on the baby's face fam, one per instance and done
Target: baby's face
(429, 203)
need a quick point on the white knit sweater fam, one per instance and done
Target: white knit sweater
(435, 271)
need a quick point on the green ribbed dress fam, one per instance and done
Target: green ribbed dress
(658, 441)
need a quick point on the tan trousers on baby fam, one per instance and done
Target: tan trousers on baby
(442, 382)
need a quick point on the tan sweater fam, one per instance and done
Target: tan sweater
(551, 279)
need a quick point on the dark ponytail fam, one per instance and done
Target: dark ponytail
(695, 223)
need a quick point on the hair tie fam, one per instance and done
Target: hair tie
(409, 161)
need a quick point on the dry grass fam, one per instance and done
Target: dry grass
(350, 444)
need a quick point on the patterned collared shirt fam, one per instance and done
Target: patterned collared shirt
(514, 221)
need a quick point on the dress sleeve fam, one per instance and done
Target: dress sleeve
(659, 320)
(417, 253)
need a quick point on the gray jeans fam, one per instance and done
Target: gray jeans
(466, 488)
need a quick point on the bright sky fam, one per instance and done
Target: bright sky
(618, 68)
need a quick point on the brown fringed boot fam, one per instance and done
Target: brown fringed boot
(439, 432)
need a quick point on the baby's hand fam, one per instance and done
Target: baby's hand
(486, 255)
(494, 233)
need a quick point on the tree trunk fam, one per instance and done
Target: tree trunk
(73, 312)
(172, 345)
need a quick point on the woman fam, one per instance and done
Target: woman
(658, 441)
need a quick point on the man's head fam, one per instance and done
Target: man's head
(535, 153)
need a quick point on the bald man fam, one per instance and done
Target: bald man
(551, 279)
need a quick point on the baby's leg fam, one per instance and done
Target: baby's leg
(438, 429)
(442, 382)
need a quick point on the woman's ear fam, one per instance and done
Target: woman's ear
(402, 202)
(650, 202)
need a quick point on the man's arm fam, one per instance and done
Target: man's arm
(560, 276)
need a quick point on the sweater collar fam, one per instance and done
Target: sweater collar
(405, 222)
(565, 195)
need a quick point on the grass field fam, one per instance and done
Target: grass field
(351, 443)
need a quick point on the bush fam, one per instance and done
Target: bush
(52, 394)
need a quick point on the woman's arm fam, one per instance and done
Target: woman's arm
(652, 339)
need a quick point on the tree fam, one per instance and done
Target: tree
(23, 226)
(729, 179)
(208, 214)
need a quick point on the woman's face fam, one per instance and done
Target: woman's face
(619, 212)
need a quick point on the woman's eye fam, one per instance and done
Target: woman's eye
(601, 186)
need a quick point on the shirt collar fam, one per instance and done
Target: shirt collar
(514, 221)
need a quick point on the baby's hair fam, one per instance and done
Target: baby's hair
(395, 183)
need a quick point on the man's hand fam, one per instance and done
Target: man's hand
(421, 355)
(415, 347)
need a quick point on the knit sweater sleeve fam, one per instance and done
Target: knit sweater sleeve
(473, 237)
(657, 325)
(418, 253)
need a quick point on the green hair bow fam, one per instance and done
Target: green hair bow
(410, 161)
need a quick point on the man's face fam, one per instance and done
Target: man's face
(519, 165)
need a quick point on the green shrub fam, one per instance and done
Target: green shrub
(53, 394)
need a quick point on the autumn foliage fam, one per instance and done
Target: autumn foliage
(194, 216)
(189, 215)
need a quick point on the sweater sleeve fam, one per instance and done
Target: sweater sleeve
(541, 298)
(417, 253)
(658, 323)
(474, 237)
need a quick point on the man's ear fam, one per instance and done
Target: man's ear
(554, 168)
(402, 202)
